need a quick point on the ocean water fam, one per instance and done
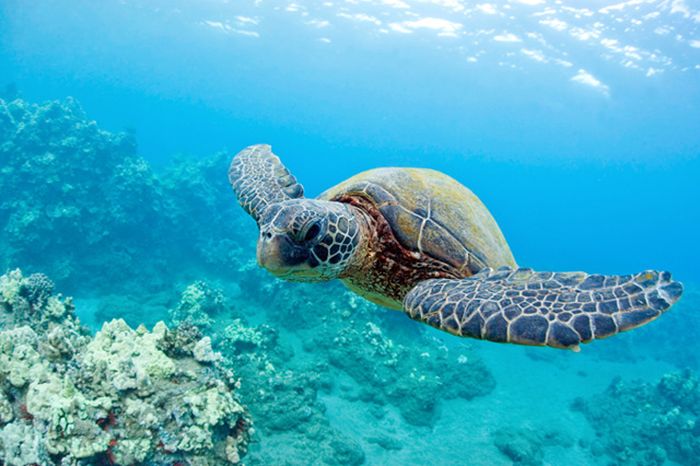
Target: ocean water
(576, 123)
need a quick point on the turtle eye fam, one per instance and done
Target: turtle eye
(311, 231)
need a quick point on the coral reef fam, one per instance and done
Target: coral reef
(80, 204)
(391, 360)
(288, 414)
(123, 396)
(415, 379)
(206, 223)
(72, 194)
(645, 424)
(198, 305)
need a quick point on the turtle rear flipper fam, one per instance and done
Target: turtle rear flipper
(259, 179)
(526, 307)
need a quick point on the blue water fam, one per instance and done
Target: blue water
(577, 124)
(578, 177)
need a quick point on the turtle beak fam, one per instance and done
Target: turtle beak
(279, 255)
(260, 254)
(268, 254)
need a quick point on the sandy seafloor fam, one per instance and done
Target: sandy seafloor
(529, 393)
(535, 388)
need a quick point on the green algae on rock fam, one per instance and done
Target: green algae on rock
(123, 397)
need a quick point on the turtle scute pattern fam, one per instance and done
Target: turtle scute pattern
(432, 214)
(542, 308)
(259, 180)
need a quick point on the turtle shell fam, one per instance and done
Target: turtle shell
(433, 214)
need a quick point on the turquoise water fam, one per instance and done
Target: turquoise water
(577, 124)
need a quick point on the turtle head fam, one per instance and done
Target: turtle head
(307, 240)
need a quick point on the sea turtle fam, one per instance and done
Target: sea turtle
(417, 240)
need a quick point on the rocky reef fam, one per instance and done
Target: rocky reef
(415, 378)
(290, 419)
(383, 365)
(645, 424)
(76, 193)
(124, 396)
(525, 446)
(76, 198)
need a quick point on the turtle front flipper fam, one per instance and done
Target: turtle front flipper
(542, 308)
(259, 179)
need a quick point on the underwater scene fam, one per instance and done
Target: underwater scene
(187, 278)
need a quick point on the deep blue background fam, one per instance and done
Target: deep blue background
(575, 178)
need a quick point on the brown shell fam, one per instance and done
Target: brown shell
(433, 214)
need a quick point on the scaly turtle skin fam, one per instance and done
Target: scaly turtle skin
(417, 240)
